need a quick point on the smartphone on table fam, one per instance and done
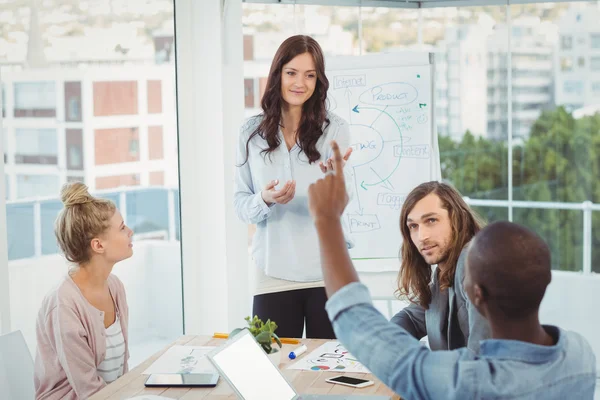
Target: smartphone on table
(349, 381)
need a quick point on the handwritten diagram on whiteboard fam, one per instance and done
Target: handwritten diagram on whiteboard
(390, 115)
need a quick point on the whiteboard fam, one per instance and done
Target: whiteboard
(388, 101)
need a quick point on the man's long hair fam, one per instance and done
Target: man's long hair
(415, 274)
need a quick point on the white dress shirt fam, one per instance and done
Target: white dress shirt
(285, 244)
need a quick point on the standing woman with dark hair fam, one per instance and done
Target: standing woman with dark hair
(280, 153)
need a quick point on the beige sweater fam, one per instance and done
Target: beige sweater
(71, 342)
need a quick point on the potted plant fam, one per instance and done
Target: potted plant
(264, 333)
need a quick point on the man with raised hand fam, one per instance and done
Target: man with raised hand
(506, 275)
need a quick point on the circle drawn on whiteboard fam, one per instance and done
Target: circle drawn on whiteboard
(390, 94)
(422, 119)
(368, 148)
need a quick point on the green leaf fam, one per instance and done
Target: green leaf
(264, 338)
(276, 339)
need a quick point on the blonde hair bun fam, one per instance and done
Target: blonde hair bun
(75, 193)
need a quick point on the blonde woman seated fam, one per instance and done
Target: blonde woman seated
(82, 325)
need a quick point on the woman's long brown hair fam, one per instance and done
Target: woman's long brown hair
(415, 274)
(314, 111)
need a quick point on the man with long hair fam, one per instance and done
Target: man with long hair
(437, 227)
(507, 272)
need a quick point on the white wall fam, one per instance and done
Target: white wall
(571, 303)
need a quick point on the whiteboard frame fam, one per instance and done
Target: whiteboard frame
(392, 60)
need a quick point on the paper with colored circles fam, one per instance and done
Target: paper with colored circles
(329, 357)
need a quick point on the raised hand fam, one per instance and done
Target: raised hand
(327, 198)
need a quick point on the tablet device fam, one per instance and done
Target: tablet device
(183, 380)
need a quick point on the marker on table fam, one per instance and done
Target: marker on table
(299, 351)
(218, 335)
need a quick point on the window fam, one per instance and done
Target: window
(526, 73)
(566, 42)
(573, 87)
(32, 186)
(595, 40)
(36, 146)
(566, 64)
(74, 141)
(35, 99)
(596, 88)
(73, 101)
(249, 93)
(385, 29)
(75, 157)
(80, 106)
(75, 179)
(474, 154)
(134, 147)
(560, 227)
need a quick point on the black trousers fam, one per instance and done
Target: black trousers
(291, 309)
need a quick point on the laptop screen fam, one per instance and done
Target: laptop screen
(248, 368)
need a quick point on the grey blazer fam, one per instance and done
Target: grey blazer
(451, 321)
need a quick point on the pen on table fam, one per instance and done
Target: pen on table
(218, 335)
(299, 351)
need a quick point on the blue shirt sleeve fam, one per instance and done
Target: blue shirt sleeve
(392, 354)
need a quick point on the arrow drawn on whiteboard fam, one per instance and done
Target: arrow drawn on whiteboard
(348, 95)
(403, 140)
(360, 209)
(385, 183)
(382, 112)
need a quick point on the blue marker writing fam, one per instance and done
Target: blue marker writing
(299, 351)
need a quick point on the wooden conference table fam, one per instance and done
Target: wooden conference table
(305, 382)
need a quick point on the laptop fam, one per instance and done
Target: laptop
(251, 374)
